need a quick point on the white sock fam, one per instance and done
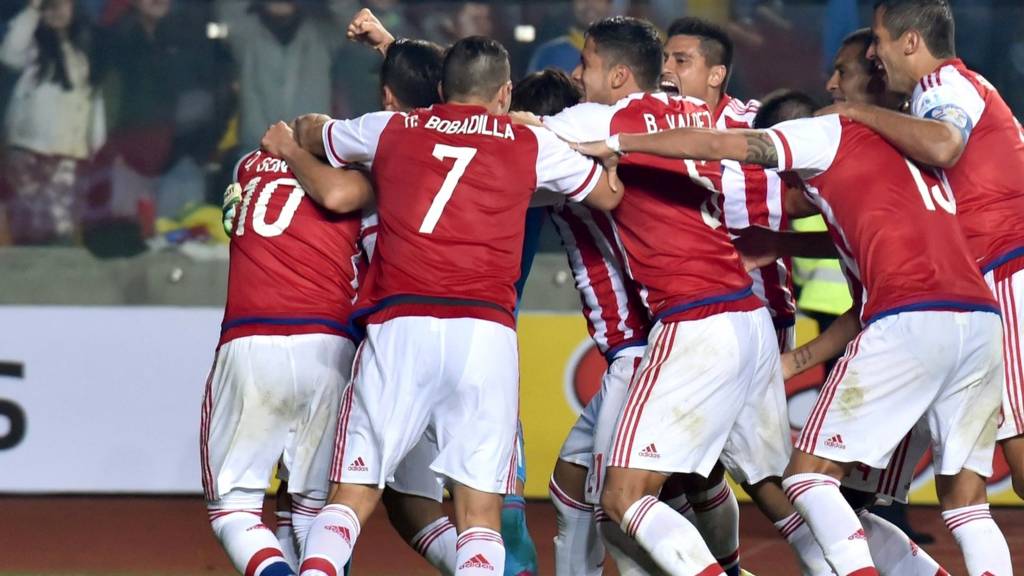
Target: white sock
(304, 509)
(630, 558)
(718, 520)
(436, 543)
(834, 524)
(894, 553)
(237, 523)
(808, 552)
(982, 543)
(330, 541)
(479, 552)
(681, 504)
(286, 537)
(578, 547)
(673, 543)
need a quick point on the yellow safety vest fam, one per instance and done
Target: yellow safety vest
(823, 286)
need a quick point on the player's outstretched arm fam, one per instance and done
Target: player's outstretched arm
(931, 142)
(607, 194)
(337, 190)
(826, 346)
(750, 146)
(309, 129)
(759, 246)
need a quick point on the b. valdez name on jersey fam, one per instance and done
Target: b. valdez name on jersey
(453, 184)
(675, 246)
(293, 264)
(893, 222)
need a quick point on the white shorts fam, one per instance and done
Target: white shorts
(706, 390)
(578, 447)
(414, 476)
(942, 366)
(894, 481)
(1008, 288)
(456, 378)
(270, 398)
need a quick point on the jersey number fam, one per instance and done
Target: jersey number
(259, 214)
(462, 156)
(939, 194)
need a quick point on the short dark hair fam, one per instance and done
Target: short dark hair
(715, 44)
(475, 66)
(412, 70)
(863, 37)
(932, 18)
(782, 105)
(632, 42)
(545, 93)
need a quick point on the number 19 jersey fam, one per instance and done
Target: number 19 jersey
(453, 184)
(893, 222)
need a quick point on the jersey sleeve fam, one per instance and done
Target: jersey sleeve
(807, 146)
(948, 97)
(581, 123)
(562, 170)
(355, 140)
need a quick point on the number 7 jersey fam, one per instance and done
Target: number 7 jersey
(453, 184)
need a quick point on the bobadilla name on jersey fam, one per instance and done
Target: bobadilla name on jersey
(480, 124)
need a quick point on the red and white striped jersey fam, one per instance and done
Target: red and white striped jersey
(893, 222)
(752, 196)
(668, 224)
(453, 184)
(615, 315)
(988, 180)
(293, 264)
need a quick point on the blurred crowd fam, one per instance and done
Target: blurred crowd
(124, 118)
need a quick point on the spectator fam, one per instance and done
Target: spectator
(54, 120)
(283, 55)
(166, 89)
(563, 52)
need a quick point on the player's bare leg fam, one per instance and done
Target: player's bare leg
(333, 534)
(965, 511)
(423, 524)
(630, 499)
(812, 485)
(1013, 449)
(480, 549)
(578, 546)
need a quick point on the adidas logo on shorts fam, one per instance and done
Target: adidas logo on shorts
(340, 531)
(858, 535)
(260, 526)
(835, 441)
(650, 451)
(358, 465)
(478, 561)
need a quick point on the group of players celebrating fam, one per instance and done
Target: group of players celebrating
(369, 341)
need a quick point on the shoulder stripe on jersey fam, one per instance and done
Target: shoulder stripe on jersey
(330, 144)
(938, 78)
(586, 182)
(787, 162)
(923, 86)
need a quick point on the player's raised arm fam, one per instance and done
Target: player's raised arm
(367, 29)
(937, 140)
(336, 190)
(342, 142)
